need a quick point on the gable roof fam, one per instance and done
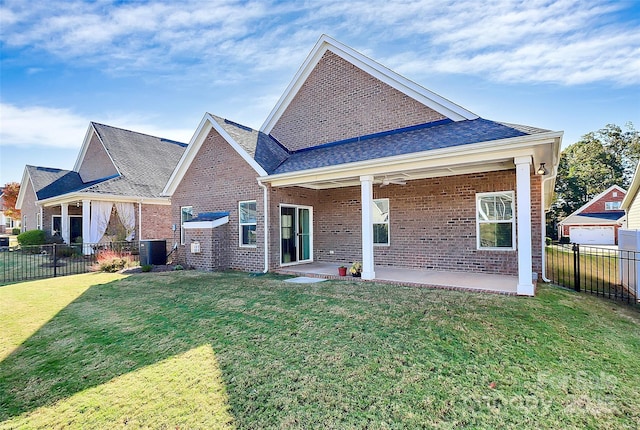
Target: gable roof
(592, 201)
(612, 218)
(244, 140)
(389, 77)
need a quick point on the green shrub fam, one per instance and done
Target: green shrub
(15, 231)
(31, 238)
(147, 267)
(178, 267)
(547, 240)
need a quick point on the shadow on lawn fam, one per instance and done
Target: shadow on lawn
(110, 330)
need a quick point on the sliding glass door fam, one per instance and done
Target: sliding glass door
(296, 236)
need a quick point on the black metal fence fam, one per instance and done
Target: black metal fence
(601, 271)
(52, 260)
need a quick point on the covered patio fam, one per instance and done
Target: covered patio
(479, 282)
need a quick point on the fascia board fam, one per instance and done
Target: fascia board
(388, 76)
(23, 188)
(633, 190)
(478, 152)
(205, 224)
(207, 123)
(75, 196)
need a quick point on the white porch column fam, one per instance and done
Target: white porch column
(86, 225)
(366, 189)
(523, 200)
(64, 221)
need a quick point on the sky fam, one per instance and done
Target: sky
(156, 67)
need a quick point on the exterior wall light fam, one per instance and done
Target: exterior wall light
(542, 170)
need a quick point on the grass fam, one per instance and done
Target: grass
(193, 350)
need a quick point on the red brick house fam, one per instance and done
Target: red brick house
(112, 193)
(597, 222)
(357, 163)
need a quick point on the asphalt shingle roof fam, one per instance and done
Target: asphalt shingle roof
(594, 218)
(425, 137)
(145, 162)
(50, 182)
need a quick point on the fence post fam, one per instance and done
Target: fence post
(55, 261)
(576, 267)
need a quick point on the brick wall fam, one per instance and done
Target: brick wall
(217, 180)
(29, 210)
(432, 224)
(156, 222)
(96, 163)
(213, 253)
(340, 101)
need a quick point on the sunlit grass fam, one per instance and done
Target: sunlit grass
(195, 350)
(26, 307)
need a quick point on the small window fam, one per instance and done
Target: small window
(248, 223)
(39, 221)
(495, 221)
(612, 206)
(186, 214)
(381, 222)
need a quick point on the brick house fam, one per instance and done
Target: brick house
(357, 163)
(112, 193)
(597, 222)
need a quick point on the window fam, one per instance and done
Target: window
(612, 206)
(56, 225)
(248, 222)
(495, 221)
(39, 221)
(186, 214)
(381, 222)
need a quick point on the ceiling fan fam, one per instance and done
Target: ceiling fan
(395, 181)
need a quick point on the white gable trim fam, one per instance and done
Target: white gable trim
(85, 146)
(23, 188)
(595, 199)
(633, 190)
(195, 144)
(389, 77)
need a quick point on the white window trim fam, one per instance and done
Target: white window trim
(241, 224)
(619, 205)
(387, 223)
(182, 235)
(513, 222)
(52, 230)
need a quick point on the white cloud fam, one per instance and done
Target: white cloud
(565, 41)
(38, 126)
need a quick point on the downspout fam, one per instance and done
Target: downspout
(139, 220)
(265, 203)
(544, 230)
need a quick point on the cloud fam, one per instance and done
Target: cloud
(40, 126)
(37, 126)
(566, 41)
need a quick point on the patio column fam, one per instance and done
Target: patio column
(86, 225)
(366, 190)
(64, 221)
(523, 212)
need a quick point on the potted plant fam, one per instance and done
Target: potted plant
(342, 270)
(356, 269)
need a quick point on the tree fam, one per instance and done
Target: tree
(599, 160)
(9, 198)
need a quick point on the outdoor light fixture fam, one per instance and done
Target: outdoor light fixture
(542, 170)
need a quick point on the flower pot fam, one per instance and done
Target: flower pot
(356, 275)
(342, 271)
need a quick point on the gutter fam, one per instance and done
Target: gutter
(265, 203)
(543, 275)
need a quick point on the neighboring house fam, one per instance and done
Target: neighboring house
(597, 222)
(631, 203)
(112, 193)
(357, 163)
(7, 223)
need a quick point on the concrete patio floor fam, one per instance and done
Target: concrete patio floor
(481, 282)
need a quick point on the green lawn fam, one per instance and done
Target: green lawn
(193, 350)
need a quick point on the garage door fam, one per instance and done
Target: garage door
(592, 235)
